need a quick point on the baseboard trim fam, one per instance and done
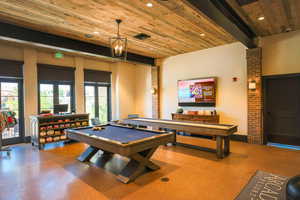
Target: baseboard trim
(239, 138)
(27, 139)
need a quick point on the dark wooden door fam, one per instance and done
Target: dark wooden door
(282, 109)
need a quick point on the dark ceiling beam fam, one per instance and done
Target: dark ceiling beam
(223, 15)
(20, 33)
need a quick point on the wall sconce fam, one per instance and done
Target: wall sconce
(252, 85)
(153, 91)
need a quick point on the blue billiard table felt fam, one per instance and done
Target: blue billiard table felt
(120, 134)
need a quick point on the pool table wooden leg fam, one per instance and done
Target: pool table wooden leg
(137, 164)
(88, 154)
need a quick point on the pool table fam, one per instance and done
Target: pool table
(135, 143)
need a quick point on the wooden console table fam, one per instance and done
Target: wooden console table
(214, 119)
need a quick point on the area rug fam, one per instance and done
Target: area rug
(263, 185)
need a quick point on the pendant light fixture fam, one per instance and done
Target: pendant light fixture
(118, 44)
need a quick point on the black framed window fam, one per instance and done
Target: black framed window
(98, 101)
(52, 93)
(56, 86)
(98, 94)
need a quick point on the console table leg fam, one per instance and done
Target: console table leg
(219, 146)
(227, 146)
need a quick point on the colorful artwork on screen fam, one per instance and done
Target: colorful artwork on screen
(197, 90)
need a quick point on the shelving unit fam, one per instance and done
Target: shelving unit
(50, 129)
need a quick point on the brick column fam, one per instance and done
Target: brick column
(255, 101)
(155, 91)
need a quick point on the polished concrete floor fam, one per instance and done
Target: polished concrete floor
(185, 173)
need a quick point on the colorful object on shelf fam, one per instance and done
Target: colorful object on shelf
(63, 137)
(192, 112)
(46, 114)
(7, 119)
(56, 126)
(42, 140)
(57, 133)
(51, 132)
(179, 110)
(43, 133)
(49, 139)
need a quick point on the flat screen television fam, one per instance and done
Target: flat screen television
(197, 92)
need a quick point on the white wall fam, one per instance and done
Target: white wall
(281, 53)
(224, 62)
(143, 91)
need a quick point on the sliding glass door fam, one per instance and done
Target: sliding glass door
(97, 101)
(11, 98)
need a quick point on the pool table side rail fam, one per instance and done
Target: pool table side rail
(118, 147)
(121, 143)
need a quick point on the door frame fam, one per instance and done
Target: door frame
(96, 85)
(21, 119)
(264, 93)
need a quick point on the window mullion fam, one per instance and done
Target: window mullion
(55, 94)
(96, 101)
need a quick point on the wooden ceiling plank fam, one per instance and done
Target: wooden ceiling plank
(39, 17)
(243, 15)
(254, 11)
(172, 31)
(54, 41)
(271, 12)
(222, 14)
(200, 22)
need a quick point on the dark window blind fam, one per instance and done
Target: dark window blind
(97, 76)
(10, 68)
(55, 73)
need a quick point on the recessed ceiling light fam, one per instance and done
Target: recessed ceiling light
(202, 34)
(96, 32)
(261, 18)
(150, 5)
